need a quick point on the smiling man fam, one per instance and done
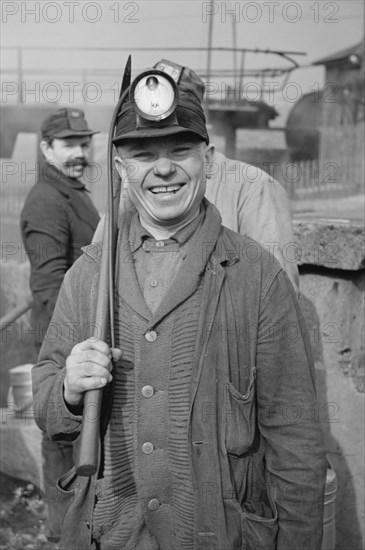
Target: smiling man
(58, 216)
(57, 219)
(199, 446)
(169, 182)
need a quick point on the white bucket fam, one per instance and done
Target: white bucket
(329, 516)
(20, 392)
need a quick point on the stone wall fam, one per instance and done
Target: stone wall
(332, 283)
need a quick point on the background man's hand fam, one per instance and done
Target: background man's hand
(87, 368)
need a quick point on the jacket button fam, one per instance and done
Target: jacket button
(150, 336)
(147, 391)
(153, 504)
(147, 448)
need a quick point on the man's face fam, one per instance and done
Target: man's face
(165, 177)
(70, 155)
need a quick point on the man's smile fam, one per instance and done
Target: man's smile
(166, 188)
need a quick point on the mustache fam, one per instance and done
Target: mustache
(77, 162)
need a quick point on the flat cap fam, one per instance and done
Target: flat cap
(66, 122)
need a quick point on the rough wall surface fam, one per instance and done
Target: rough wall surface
(335, 244)
(332, 284)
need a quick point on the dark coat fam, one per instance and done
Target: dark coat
(256, 447)
(57, 219)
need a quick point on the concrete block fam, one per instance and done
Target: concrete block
(26, 148)
(336, 244)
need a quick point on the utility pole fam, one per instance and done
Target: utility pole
(209, 55)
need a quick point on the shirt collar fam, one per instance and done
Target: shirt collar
(138, 233)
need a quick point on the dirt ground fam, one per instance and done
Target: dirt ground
(22, 516)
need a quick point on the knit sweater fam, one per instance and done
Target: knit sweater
(145, 499)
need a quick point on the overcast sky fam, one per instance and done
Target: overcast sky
(316, 28)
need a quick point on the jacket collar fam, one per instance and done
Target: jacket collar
(53, 176)
(224, 249)
(72, 190)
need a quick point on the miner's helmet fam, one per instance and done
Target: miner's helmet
(162, 101)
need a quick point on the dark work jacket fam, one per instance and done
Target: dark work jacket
(257, 454)
(58, 218)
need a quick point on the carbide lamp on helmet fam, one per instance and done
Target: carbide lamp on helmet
(154, 95)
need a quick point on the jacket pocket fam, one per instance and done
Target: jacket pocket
(66, 490)
(76, 503)
(259, 527)
(240, 417)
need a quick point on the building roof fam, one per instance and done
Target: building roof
(344, 56)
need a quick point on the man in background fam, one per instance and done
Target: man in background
(252, 203)
(58, 218)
